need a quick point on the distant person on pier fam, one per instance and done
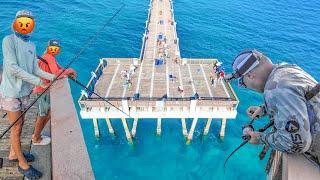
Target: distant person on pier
(20, 74)
(48, 64)
(221, 75)
(284, 87)
(212, 80)
(217, 67)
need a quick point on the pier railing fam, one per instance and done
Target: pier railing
(95, 75)
(146, 32)
(175, 27)
(163, 98)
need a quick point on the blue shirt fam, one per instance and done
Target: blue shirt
(20, 68)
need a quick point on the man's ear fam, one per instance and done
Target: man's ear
(251, 75)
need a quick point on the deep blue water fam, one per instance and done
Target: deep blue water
(286, 30)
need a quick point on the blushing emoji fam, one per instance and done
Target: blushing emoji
(23, 25)
(53, 50)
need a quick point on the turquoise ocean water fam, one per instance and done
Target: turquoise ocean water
(286, 30)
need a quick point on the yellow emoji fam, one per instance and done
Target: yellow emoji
(23, 25)
(53, 50)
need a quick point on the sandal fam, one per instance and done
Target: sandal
(30, 173)
(29, 157)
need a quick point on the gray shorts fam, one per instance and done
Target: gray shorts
(14, 104)
(44, 104)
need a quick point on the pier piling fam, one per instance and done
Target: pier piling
(159, 126)
(193, 126)
(134, 127)
(184, 127)
(223, 126)
(110, 128)
(126, 129)
(206, 129)
(96, 127)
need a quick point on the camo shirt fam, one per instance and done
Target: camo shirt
(285, 103)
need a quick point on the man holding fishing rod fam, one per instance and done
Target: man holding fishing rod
(289, 103)
(20, 74)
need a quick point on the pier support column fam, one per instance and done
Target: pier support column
(223, 127)
(206, 129)
(159, 126)
(184, 127)
(96, 127)
(134, 127)
(126, 129)
(193, 126)
(110, 128)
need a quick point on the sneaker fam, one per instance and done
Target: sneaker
(44, 141)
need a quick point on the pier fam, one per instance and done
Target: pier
(159, 83)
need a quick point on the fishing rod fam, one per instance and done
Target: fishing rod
(85, 87)
(89, 41)
(104, 99)
(246, 139)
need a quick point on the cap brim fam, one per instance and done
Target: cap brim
(19, 16)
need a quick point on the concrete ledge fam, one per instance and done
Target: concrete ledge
(70, 159)
(291, 167)
(297, 167)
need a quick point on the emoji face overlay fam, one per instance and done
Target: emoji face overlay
(53, 50)
(23, 25)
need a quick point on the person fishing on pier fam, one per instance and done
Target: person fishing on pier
(20, 74)
(286, 88)
(17, 80)
(49, 64)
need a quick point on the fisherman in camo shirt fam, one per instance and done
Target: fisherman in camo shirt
(284, 86)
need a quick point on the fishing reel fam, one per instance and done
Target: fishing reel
(245, 131)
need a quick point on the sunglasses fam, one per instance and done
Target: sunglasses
(241, 83)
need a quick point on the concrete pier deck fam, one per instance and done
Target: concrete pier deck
(154, 81)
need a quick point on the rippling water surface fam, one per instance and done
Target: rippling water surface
(285, 30)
